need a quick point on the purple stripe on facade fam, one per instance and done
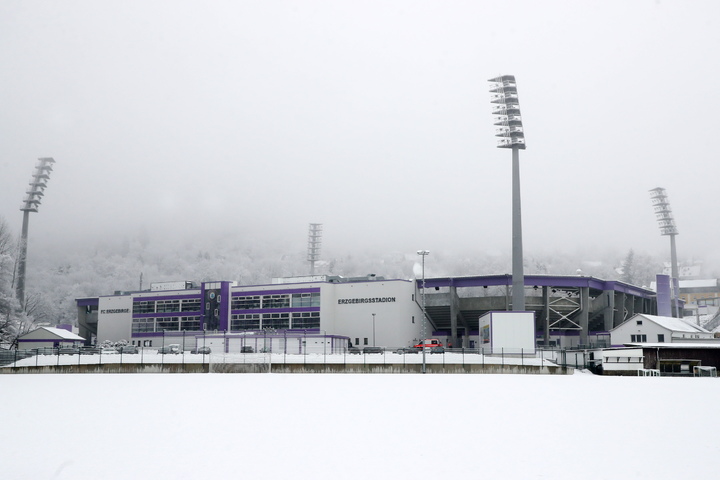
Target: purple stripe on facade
(275, 292)
(168, 333)
(34, 340)
(167, 297)
(166, 314)
(277, 310)
(87, 302)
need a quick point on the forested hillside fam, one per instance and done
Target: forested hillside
(59, 275)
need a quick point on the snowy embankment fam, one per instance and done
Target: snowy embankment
(152, 357)
(217, 426)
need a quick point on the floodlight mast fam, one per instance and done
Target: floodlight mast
(666, 222)
(314, 244)
(423, 254)
(38, 184)
(506, 111)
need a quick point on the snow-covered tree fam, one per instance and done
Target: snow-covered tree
(11, 319)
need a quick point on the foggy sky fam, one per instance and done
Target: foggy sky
(192, 118)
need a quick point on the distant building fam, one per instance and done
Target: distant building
(643, 328)
(49, 337)
(368, 311)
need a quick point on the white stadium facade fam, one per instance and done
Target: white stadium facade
(296, 314)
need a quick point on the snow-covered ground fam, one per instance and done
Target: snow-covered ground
(345, 426)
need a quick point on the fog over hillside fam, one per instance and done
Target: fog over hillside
(59, 275)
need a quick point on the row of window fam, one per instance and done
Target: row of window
(165, 324)
(250, 321)
(167, 306)
(257, 302)
(642, 338)
(253, 302)
(278, 321)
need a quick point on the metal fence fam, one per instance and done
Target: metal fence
(379, 356)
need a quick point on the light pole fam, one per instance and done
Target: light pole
(666, 222)
(506, 110)
(423, 254)
(314, 244)
(31, 202)
(373, 315)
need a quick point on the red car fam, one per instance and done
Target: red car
(429, 343)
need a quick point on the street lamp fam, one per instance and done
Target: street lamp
(423, 254)
(38, 184)
(506, 111)
(666, 222)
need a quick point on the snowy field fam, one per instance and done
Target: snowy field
(272, 426)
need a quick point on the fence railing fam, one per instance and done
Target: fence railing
(376, 356)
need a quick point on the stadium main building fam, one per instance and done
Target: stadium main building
(334, 310)
(299, 314)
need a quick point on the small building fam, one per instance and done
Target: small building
(49, 337)
(643, 328)
(508, 332)
(622, 361)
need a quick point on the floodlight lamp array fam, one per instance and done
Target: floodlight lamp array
(663, 213)
(38, 184)
(506, 112)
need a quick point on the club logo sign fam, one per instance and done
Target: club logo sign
(115, 310)
(347, 301)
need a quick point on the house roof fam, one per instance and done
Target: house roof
(674, 324)
(58, 332)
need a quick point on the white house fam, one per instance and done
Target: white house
(49, 337)
(644, 328)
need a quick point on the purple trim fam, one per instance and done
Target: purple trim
(87, 302)
(277, 310)
(225, 306)
(166, 314)
(55, 340)
(571, 281)
(275, 292)
(196, 296)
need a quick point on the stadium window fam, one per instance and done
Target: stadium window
(639, 322)
(365, 340)
(661, 338)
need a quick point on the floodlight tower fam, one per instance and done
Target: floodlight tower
(423, 254)
(38, 184)
(666, 222)
(314, 244)
(506, 111)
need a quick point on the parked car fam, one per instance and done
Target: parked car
(108, 351)
(201, 351)
(173, 348)
(373, 350)
(89, 351)
(69, 350)
(354, 350)
(247, 349)
(128, 349)
(401, 351)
